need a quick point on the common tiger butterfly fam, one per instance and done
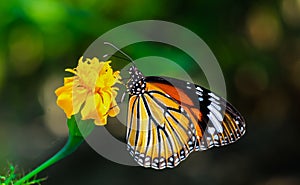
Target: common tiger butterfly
(169, 118)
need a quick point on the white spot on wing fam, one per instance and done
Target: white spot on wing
(215, 122)
(199, 89)
(211, 130)
(218, 107)
(215, 112)
(213, 100)
(199, 93)
(214, 96)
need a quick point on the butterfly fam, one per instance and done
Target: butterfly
(169, 118)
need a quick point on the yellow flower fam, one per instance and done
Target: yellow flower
(90, 91)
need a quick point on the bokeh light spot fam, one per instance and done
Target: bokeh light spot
(25, 50)
(45, 11)
(54, 117)
(291, 12)
(263, 28)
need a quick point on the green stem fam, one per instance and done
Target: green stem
(72, 144)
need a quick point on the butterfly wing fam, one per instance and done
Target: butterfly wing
(172, 118)
(216, 121)
(160, 133)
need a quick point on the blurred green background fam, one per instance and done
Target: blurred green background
(257, 44)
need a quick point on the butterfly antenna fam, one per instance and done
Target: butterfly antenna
(115, 47)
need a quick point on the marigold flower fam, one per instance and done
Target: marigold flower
(90, 91)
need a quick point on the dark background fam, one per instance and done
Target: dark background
(257, 44)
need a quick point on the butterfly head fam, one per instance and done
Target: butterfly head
(136, 84)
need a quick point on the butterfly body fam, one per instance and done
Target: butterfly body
(169, 118)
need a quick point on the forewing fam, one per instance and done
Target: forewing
(160, 133)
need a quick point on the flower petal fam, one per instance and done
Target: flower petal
(106, 101)
(67, 87)
(114, 109)
(79, 96)
(64, 101)
(90, 91)
(89, 110)
(102, 121)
